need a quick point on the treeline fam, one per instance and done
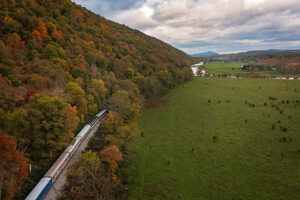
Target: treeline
(280, 68)
(59, 65)
(278, 55)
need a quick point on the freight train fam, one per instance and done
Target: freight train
(49, 178)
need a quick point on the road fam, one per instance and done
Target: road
(54, 191)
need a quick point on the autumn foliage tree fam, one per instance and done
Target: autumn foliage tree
(52, 123)
(14, 41)
(13, 167)
(111, 155)
(75, 95)
(89, 179)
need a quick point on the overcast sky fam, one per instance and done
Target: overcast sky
(209, 25)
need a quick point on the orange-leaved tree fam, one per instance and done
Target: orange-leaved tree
(13, 166)
(111, 155)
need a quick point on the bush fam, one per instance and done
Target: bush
(215, 138)
(283, 139)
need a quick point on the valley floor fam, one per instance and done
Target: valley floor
(221, 138)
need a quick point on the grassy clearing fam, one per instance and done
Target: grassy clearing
(221, 67)
(234, 147)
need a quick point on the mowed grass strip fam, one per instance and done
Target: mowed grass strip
(221, 139)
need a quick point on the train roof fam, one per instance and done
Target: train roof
(40, 189)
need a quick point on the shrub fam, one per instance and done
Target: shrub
(283, 139)
(215, 138)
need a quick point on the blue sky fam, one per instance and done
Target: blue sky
(195, 26)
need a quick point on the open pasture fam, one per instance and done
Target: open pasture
(218, 138)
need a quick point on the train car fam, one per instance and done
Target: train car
(40, 189)
(58, 166)
(74, 146)
(101, 112)
(93, 121)
(98, 117)
(84, 131)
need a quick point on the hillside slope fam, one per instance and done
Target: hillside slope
(59, 65)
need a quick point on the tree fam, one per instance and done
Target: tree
(152, 88)
(8, 96)
(122, 137)
(13, 166)
(111, 124)
(111, 155)
(36, 35)
(14, 41)
(97, 88)
(42, 28)
(89, 179)
(50, 27)
(129, 73)
(76, 97)
(52, 123)
(121, 103)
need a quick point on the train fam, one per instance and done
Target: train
(43, 186)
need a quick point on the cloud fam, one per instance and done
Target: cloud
(202, 25)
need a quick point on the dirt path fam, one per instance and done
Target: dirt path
(54, 191)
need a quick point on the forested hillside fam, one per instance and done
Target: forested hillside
(59, 65)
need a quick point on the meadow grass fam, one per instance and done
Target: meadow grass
(224, 67)
(234, 147)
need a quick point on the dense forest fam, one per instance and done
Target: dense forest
(59, 65)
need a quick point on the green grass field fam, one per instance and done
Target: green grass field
(226, 149)
(221, 67)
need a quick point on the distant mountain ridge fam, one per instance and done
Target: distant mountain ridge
(207, 53)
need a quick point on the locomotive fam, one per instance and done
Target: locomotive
(51, 175)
